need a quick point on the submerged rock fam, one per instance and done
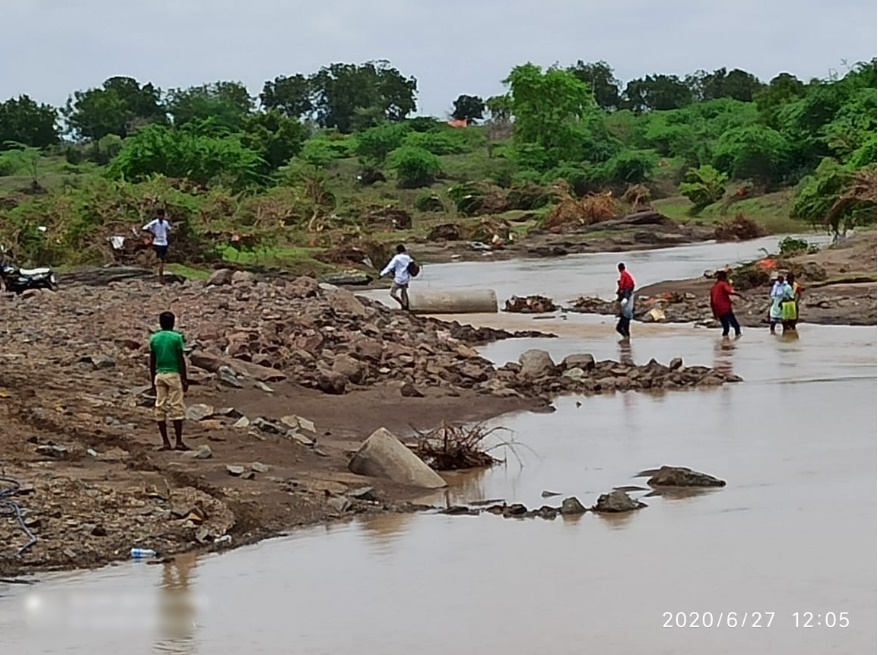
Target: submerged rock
(615, 502)
(571, 506)
(680, 476)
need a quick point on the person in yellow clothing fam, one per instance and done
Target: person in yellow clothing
(167, 368)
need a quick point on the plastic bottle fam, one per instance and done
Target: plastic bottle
(142, 553)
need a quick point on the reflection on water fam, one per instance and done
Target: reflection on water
(177, 608)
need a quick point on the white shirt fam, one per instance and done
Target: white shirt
(399, 265)
(159, 231)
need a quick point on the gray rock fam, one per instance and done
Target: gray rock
(536, 363)
(382, 455)
(234, 470)
(242, 423)
(51, 450)
(259, 467)
(228, 412)
(227, 377)
(99, 362)
(298, 437)
(574, 374)
(549, 494)
(408, 390)
(572, 506)
(616, 502)
(348, 367)
(262, 386)
(583, 361)
(203, 452)
(297, 422)
(362, 493)
(243, 277)
(268, 426)
(199, 412)
(339, 503)
(220, 277)
(680, 476)
(332, 383)
(676, 364)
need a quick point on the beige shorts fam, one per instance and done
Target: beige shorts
(169, 404)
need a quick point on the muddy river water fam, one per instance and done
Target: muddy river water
(789, 543)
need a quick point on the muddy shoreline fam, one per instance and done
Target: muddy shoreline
(267, 354)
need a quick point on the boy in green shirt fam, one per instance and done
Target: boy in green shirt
(167, 368)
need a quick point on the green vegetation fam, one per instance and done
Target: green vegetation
(316, 162)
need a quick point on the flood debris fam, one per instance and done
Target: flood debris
(530, 305)
(451, 447)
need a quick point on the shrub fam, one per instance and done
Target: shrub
(429, 203)
(321, 152)
(703, 186)
(415, 167)
(376, 143)
(629, 167)
(446, 142)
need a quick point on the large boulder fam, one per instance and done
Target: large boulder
(220, 277)
(536, 363)
(382, 455)
(680, 476)
(348, 367)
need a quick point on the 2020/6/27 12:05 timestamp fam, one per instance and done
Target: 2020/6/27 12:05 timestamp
(821, 619)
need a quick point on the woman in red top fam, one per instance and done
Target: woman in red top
(721, 303)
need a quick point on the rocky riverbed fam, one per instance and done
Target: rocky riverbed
(287, 379)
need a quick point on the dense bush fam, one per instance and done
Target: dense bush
(415, 167)
(187, 154)
(373, 145)
(703, 186)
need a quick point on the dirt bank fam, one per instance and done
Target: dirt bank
(79, 436)
(839, 289)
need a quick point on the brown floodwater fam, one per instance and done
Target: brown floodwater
(793, 532)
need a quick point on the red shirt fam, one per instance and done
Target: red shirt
(626, 282)
(721, 298)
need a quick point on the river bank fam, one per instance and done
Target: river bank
(838, 281)
(288, 378)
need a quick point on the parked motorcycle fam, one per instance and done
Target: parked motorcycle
(18, 280)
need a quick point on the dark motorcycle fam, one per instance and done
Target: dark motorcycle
(18, 280)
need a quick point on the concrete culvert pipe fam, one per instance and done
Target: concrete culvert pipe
(469, 301)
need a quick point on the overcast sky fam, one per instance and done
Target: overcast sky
(50, 48)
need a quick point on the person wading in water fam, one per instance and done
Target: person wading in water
(402, 268)
(721, 303)
(625, 296)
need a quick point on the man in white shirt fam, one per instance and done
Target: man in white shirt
(399, 266)
(159, 227)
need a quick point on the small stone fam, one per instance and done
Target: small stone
(248, 475)
(51, 450)
(298, 437)
(228, 412)
(549, 494)
(362, 493)
(92, 452)
(243, 277)
(574, 374)
(99, 363)
(242, 422)
(227, 377)
(70, 553)
(676, 364)
(572, 506)
(199, 412)
(234, 470)
(516, 509)
(203, 452)
(99, 531)
(298, 422)
(408, 390)
(339, 503)
(268, 426)
(259, 467)
(582, 361)
(262, 386)
(220, 277)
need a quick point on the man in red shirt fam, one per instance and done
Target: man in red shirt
(721, 303)
(625, 296)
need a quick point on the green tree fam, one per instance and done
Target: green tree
(601, 80)
(376, 143)
(415, 167)
(186, 153)
(735, 84)
(468, 108)
(500, 107)
(549, 108)
(276, 137)
(817, 198)
(24, 121)
(703, 186)
(340, 90)
(657, 92)
(227, 104)
(291, 95)
(119, 106)
(756, 153)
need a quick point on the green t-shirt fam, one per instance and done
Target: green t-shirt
(167, 346)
